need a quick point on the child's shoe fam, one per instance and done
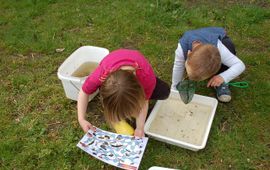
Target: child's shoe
(223, 93)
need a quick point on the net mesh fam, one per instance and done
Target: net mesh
(186, 89)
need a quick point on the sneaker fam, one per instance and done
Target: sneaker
(223, 93)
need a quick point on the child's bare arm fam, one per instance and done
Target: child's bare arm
(140, 120)
(82, 106)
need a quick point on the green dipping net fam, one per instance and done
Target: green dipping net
(186, 89)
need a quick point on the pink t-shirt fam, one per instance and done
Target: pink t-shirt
(113, 62)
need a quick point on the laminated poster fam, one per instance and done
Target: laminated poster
(122, 151)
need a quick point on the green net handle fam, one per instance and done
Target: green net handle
(240, 84)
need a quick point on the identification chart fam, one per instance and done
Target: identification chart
(118, 150)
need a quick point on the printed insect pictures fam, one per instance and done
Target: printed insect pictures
(118, 150)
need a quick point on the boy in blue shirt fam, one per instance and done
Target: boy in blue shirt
(207, 53)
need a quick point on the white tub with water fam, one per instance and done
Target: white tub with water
(184, 125)
(77, 67)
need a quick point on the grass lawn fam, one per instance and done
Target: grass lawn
(38, 124)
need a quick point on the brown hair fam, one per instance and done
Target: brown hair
(122, 96)
(203, 62)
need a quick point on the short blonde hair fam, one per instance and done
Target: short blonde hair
(203, 62)
(122, 96)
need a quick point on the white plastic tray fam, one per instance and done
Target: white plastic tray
(193, 121)
(71, 84)
(159, 168)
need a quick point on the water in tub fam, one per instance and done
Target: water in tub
(85, 69)
(183, 122)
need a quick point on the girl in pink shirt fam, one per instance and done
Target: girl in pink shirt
(126, 82)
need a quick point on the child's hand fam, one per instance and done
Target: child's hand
(139, 133)
(215, 81)
(86, 125)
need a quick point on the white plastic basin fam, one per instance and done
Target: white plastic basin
(159, 168)
(183, 125)
(84, 54)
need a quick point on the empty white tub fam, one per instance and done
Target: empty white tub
(159, 168)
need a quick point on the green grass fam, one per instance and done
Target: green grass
(38, 125)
